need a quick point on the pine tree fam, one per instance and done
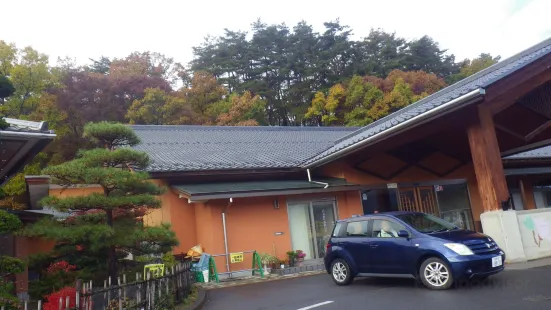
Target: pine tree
(106, 224)
(9, 223)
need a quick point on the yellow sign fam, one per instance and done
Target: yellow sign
(156, 270)
(236, 257)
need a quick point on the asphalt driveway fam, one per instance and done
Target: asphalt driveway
(512, 289)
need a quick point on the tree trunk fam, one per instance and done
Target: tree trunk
(112, 255)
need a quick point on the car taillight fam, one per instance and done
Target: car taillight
(327, 246)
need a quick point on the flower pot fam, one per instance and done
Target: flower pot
(299, 261)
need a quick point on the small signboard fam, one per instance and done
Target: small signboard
(392, 185)
(155, 270)
(236, 257)
(438, 188)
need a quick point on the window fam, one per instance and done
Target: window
(337, 231)
(426, 223)
(386, 229)
(357, 229)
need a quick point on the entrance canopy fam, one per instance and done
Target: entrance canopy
(210, 191)
(20, 143)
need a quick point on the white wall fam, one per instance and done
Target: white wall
(535, 231)
(522, 235)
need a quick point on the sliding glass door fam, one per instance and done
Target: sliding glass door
(311, 224)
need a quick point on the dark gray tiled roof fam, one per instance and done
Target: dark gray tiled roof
(481, 79)
(193, 148)
(541, 153)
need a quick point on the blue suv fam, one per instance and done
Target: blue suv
(410, 245)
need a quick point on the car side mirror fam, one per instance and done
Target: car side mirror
(403, 234)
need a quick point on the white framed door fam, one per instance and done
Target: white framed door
(310, 225)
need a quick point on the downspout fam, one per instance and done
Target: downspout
(316, 182)
(226, 236)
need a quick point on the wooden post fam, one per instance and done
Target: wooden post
(527, 194)
(77, 297)
(105, 301)
(487, 163)
(124, 289)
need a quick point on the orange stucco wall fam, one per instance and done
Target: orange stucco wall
(252, 223)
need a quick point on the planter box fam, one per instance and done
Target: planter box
(292, 270)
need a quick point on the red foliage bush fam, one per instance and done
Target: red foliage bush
(61, 266)
(52, 300)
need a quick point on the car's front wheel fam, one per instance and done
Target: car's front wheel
(340, 272)
(436, 274)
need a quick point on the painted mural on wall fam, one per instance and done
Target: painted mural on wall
(539, 226)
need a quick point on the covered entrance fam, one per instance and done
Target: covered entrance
(421, 199)
(311, 224)
(448, 199)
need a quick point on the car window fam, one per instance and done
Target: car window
(357, 229)
(386, 228)
(338, 231)
(426, 223)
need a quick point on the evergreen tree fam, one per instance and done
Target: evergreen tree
(9, 223)
(108, 223)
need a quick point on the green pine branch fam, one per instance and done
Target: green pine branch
(92, 201)
(110, 135)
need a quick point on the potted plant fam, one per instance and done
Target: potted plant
(266, 259)
(292, 255)
(300, 255)
(275, 262)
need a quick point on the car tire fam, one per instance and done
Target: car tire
(340, 272)
(436, 274)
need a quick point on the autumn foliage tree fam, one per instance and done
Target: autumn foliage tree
(363, 100)
(203, 94)
(158, 107)
(241, 110)
(107, 223)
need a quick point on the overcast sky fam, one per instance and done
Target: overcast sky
(85, 29)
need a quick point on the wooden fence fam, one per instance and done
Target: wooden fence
(146, 293)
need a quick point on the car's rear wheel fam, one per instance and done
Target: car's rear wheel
(436, 274)
(340, 272)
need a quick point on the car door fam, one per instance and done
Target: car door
(355, 243)
(388, 253)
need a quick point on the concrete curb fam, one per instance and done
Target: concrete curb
(199, 303)
(279, 278)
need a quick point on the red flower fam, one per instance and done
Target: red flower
(52, 300)
(61, 266)
(79, 247)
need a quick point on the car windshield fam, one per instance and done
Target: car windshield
(426, 223)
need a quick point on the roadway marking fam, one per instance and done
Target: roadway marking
(316, 305)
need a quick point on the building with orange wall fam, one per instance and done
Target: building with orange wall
(19, 144)
(459, 153)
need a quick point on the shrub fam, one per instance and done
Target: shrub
(52, 300)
